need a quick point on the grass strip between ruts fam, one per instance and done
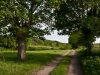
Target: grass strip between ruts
(62, 68)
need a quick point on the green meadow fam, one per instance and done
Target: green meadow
(35, 61)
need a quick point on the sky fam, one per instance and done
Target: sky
(55, 37)
(97, 40)
(63, 39)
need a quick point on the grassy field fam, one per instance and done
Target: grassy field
(62, 68)
(35, 60)
(90, 64)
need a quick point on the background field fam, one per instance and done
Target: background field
(35, 60)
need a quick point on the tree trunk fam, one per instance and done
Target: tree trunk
(89, 48)
(21, 47)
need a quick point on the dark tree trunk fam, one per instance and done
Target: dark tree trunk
(21, 47)
(88, 35)
(89, 48)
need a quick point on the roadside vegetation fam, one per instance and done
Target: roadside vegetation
(32, 44)
(35, 61)
(62, 68)
(23, 25)
(39, 52)
(90, 64)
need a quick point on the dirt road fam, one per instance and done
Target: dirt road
(49, 67)
(74, 67)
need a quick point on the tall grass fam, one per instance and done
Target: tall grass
(35, 61)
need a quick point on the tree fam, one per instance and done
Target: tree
(8, 42)
(81, 15)
(24, 18)
(75, 39)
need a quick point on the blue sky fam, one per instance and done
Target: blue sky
(63, 39)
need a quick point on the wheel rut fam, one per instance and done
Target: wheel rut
(49, 67)
(74, 67)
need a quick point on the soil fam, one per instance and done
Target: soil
(74, 67)
(50, 66)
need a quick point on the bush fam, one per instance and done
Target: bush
(39, 48)
(90, 64)
(8, 42)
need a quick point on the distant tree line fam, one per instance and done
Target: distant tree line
(10, 42)
(80, 19)
(45, 42)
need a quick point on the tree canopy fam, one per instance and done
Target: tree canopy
(24, 18)
(75, 15)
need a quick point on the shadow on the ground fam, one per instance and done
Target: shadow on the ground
(32, 58)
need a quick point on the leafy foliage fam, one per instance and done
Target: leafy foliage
(75, 39)
(76, 15)
(90, 64)
(8, 42)
(38, 44)
(26, 18)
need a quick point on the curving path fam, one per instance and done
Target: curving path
(74, 67)
(49, 67)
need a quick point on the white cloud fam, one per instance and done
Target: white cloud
(55, 37)
(97, 40)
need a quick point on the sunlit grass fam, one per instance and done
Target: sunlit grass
(35, 61)
(62, 68)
